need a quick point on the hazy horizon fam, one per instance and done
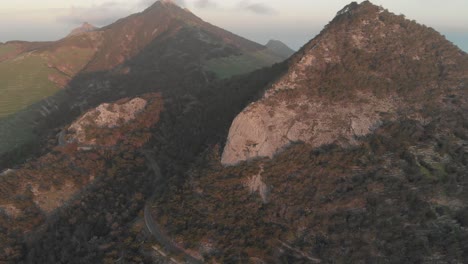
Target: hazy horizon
(294, 22)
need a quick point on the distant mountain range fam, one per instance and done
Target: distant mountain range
(170, 141)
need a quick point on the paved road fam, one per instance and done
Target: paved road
(155, 230)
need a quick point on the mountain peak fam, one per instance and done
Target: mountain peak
(274, 42)
(85, 27)
(166, 3)
(279, 48)
(354, 7)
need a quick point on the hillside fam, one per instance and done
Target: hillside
(356, 153)
(32, 194)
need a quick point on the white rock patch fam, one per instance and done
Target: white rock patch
(256, 184)
(106, 116)
(263, 129)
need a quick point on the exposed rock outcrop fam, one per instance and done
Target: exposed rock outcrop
(105, 116)
(113, 123)
(262, 129)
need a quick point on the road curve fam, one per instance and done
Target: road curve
(155, 230)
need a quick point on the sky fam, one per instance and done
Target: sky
(294, 22)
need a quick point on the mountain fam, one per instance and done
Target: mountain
(163, 45)
(347, 82)
(280, 48)
(84, 28)
(356, 152)
(56, 63)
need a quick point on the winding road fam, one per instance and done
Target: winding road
(156, 230)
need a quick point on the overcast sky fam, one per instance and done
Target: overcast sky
(293, 21)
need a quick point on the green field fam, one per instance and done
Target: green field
(245, 63)
(24, 80)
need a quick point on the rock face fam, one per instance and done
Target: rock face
(105, 116)
(263, 129)
(349, 80)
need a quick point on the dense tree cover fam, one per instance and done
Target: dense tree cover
(399, 196)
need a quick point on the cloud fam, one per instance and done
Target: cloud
(257, 8)
(180, 2)
(105, 13)
(205, 4)
(145, 3)
(148, 3)
(99, 15)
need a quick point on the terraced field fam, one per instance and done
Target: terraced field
(24, 80)
(245, 63)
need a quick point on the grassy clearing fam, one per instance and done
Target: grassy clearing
(24, 80)
(235, 65)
